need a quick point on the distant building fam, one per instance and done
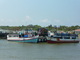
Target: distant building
(77, 31)
(4, 31)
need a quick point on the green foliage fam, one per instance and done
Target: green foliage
(36, 27)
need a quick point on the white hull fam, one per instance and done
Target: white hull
(23, 39)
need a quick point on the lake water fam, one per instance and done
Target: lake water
(38, 51)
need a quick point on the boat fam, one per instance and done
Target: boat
(63, 38)
(22, 38)
(51, 41)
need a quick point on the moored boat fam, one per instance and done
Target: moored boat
(67, 38)
(24, 38)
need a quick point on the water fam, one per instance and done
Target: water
(38, 51)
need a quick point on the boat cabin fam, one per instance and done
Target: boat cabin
(62, 36)
(13, 35)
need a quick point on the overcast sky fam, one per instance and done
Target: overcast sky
(40, 12)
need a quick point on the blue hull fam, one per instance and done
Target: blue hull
(31, 40)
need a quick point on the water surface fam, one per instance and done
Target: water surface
(38, 51)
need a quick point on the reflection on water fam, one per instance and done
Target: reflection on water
(38, 51)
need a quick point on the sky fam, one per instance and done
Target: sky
(39, 12)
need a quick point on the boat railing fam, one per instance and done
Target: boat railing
(65, 37)
(12, 35)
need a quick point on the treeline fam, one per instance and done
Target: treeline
(36, 27)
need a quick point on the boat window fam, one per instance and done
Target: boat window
(73, 37)
(61, 38)
(66, 37)
(19, 35)
(15, 36)
(10, 36)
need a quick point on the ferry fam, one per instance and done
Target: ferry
(63, 38)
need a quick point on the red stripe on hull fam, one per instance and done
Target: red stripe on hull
(50, 41)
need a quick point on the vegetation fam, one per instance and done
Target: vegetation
(36, 27)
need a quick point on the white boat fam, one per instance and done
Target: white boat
(21, 38)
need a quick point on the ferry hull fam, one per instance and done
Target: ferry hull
(50, 41)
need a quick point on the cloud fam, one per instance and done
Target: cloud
(11, 22)
(45, 21)
(28, 18)
(57, 20)
(2, 2)
(1, 20)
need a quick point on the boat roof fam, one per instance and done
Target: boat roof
(13, 34)
(77, 30)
